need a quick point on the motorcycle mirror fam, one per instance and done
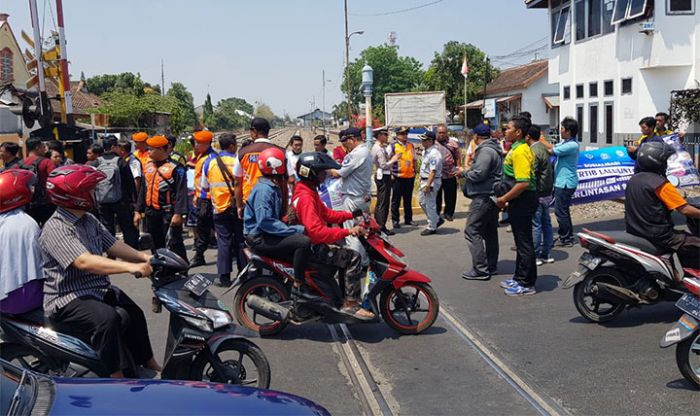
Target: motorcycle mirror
(145, 242)
(674, 180)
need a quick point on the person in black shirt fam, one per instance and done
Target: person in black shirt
(8, 155)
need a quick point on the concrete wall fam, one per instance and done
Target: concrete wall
(533, 102)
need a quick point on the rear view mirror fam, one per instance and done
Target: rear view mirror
(145, 242)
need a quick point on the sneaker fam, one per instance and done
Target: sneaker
(440, 222)
(388, 231)
(520, 291)
(568, 243)
(506, 284)
(224, 281)
(509, 229)
(197, 261)
(539, 262)
(449, 218)
(475, 275)
(545, 260)
(304, 292)
(427, 231)
(411, 223)
(396, 225)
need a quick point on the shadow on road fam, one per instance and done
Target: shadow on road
(376, 333)
(547, 283)
(660, 313)
(681, 384)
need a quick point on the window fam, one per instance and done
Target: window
(579, 116)
(579, 91)
(608, 123)
(580, 19)
(628, 10)
(6, 73)
(607, 12)
(680, 7)
(608, 88)
(593, 89)
(595, 15)
(593, 122)
(567, 92)
(627, 85)
(562, 24)
(588, 16)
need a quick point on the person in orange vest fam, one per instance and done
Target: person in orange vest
(141, 146)
(218, 180)
(163, 198)
(202, 198)
(404, 173)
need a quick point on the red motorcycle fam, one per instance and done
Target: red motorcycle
(407, 302)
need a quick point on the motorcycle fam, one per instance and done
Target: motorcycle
(686, 332)
(407, 303)
(203, 342)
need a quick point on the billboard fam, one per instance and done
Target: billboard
(415, 108)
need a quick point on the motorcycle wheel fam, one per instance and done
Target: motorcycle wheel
(589, 305)
(399, 307)
(240, 356)
(24, 357)
(688, 358)
(267, 288)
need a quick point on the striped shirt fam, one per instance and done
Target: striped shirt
(63, 239)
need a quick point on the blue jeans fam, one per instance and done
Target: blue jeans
(562, 203)
(542, 233)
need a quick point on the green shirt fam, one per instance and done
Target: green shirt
(519, 164)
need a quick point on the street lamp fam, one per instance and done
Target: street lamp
(323, 103)
(367, 81)
(347, 57)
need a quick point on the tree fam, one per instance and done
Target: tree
(444, 73)
(263, 110)
(230, 113)
(185, 102)
(128, 110)
(207, 111)
(125, 82)
(392, 73)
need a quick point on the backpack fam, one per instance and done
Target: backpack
(109, 190)
(40, 197)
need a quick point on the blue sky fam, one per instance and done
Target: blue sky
(271, 51)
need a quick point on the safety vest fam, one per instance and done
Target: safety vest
(199, 163)
(142, 155)
(220, 191)
(248, 157)
(405, 167)
(159, 182)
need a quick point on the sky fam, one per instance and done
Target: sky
(271, 51)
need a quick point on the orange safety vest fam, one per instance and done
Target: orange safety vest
(248, 158)
(221, 196)
(159, 183)
(199, 163)
(405, 167)
(142, 155)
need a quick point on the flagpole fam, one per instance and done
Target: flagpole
(465, 103)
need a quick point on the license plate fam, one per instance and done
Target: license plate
(690, 305)
(198, 284)
(589, 261)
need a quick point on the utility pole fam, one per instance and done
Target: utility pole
(323, 102)
(347, 62)
(65, 76)
(162, 78)
(43, 97)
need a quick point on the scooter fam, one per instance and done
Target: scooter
(407, 302)
(686, 332)
(203, 342)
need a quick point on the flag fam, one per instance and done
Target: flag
(465, 66)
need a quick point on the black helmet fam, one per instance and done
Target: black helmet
(653, 157)
(310, 164)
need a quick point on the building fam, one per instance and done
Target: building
(82, 100)
(617, 61)
(316, 117)
(13, 70)
(522, 88)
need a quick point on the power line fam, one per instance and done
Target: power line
(396, 11)
(529, 45)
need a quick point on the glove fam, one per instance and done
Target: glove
(357, 213)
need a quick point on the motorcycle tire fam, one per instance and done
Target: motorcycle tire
(266, 287)
(582, 290)
(683, 353)
(24, 357)
(395, 298)
(202, 370)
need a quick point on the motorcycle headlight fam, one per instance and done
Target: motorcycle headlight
(217, 317)
(200, 323)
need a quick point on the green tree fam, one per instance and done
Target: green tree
(125, 82)
(230, 113)
(444, 73)
(128, 110)
(207, 111)
(392, 73)
(185, 103)
(263, 110)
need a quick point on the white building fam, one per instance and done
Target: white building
(617, 61)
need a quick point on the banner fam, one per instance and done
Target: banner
(415, 108)
(681, 164)
(329, 191)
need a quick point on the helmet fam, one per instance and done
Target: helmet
(16, 187)
(311, 164)
(652, 157)
(73, 186)
(272, 161)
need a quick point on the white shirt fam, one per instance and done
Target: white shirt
(432, 161)
(20, 255)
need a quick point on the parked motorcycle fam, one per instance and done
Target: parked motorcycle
(203, 342)
(686, 332)
(407, 302)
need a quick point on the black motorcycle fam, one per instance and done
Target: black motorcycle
(686, 332)
(203, 342)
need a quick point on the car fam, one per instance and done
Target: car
(24, 392)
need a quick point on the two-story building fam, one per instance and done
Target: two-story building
(617, 61)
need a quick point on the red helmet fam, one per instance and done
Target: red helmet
(73, 186)
(272, 161)
(16, 186)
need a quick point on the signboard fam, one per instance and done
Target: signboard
(415, 108)
(489, 109)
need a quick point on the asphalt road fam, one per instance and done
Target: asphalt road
(486, 354)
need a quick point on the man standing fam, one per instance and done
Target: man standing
(566, 178)
(382, 178)
(481, 229)
(163, 198)
(202, 198)
(40, 208)
(123, 149)
(116, 194)
(451, 159)
(296, 143)
(141, 146)
(661, 128)
(355, 183)
(544, 174)
(320, 142)
(521, 201)
(647, 127)
(404, 173)
(339, 152)
(8, 155)
(430, 181)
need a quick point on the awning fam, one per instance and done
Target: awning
(473, 105)
(505, 100)
(551, 101)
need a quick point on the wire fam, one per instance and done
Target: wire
(396, 11)
(529, 45)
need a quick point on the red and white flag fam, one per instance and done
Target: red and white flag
(465, 66)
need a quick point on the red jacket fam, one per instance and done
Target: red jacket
(315, 216)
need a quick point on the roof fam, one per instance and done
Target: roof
(536, 4)
(551, 101)
(82, 100)
(517, 78)
(315, 115)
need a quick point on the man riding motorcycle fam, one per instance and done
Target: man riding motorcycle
(649, 200)
(79, 299)
(315, 217)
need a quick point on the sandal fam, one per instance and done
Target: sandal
(358, 312)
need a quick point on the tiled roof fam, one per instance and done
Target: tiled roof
(517, 78)
(82, 100)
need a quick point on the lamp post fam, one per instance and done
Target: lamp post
(367, 81)
(323, 103)
(347, 58)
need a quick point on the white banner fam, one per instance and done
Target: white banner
(415, 108)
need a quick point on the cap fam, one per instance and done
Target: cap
(482, 130)
(401, 130)
(428, 135)
(157, 141)
(203, 136)
(139, 137)
(260, 124)
(381, 130)
(352, 132)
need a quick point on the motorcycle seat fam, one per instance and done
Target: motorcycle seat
(35, 316)
(634, 241)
